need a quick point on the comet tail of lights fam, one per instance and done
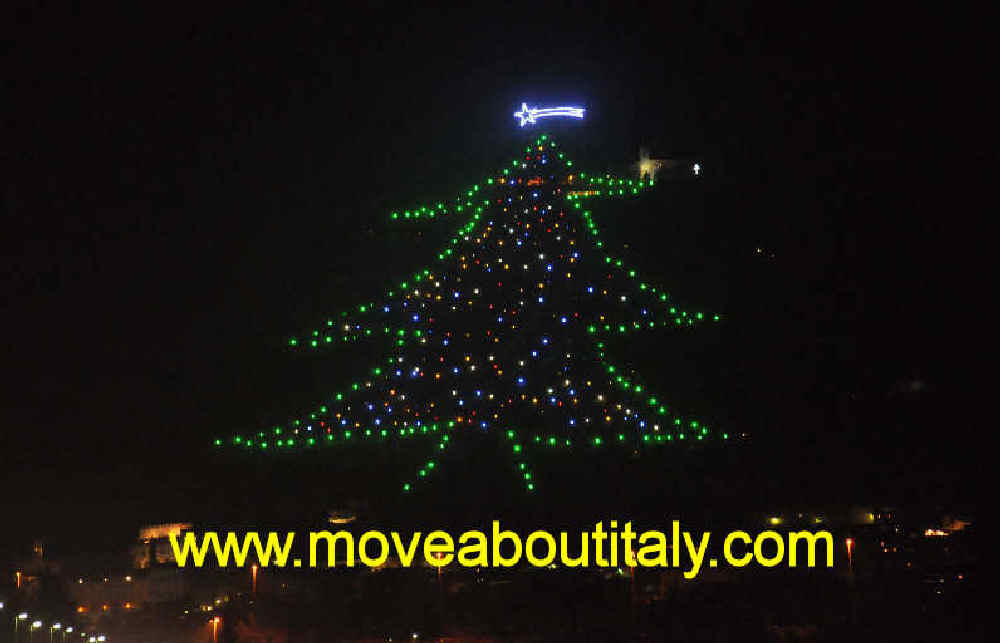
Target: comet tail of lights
(530, 115)
(511, 319)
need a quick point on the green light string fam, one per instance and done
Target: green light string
(520, 459)
(429, 467)
(660, 296)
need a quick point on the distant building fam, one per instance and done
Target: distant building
(30, 571)
(154, 546)
(116, 593)
(341, 517)
(649, 167)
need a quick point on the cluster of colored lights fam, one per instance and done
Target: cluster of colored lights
(354, 329)
(488, 329)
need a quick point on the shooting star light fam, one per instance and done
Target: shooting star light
(532, 114)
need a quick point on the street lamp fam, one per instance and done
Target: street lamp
(34, 626)
(215, 629)
(23, 616)
(54, 628)
(850, 553)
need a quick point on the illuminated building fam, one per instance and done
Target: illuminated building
(648, 167)
(154, 547)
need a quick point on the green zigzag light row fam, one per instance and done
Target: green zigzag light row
(699, 431)
(263, 440)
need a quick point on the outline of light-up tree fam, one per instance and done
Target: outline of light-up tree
(529, 273)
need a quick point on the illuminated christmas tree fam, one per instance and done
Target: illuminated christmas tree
(504, 332)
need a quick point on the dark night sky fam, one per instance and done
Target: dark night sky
(182, 191)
